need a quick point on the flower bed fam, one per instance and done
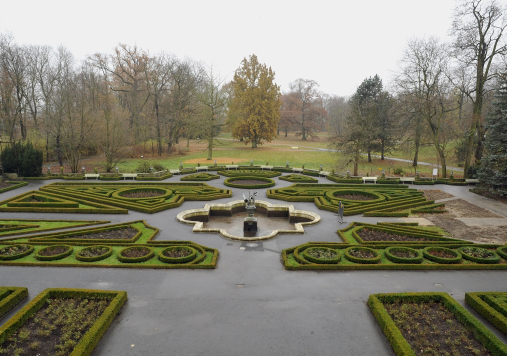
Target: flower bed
(399, 254)
(479, 255)
(54, 252)
(135, 254)
(94, 253)
(322, 255)
(249, 182)
(13, 252)
(433, 324)
(200, 177)
(298, 178)
(442, 255)
(177, 254)
(61, 322)
(360, 254)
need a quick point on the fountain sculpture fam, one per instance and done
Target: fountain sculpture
(250, 223)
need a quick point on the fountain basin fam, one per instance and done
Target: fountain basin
(266, 212)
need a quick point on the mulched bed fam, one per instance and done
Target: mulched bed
(360, 253)
(374, 235)
(119, 234)
(431, 329)
(4, 185)
(177, 253)
(13, 250)
(403, 254)
(358, 197)
(93, 251)
(53, 251)
(441, 254)
(142, 194)
(135, 252)
(247, 182)
(56, 328)
(323, 253)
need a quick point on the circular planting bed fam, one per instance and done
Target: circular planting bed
(322, 255)
(360, 254)
(94, 253)
(299, 178)
(52, 253)
(479, 254)
(442, 255)
(14, 252)
(249, 182)
(135, 254)
(354, 195)
(403, 255)
(502, 251)
(142, 193)
(177, 254)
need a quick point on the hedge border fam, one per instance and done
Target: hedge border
(322, 260)
(54, 257)
(94, 258)
(189, 258)
(300, 178)
(348, 256)
(456, 259)
(19, 255)
(82, 223)
(88, 341)
(415, 260)
(144, 258)
(269, 182)
(495, 259)
(479, 302)
(250, 172)
(14, 185)
(196, 177)
(9, 301)
(400, 345)
(502, 251)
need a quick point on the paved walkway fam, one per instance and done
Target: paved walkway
(249, 305)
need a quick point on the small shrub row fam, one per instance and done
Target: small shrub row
(10, 297)
(491, 307)
(200, 177)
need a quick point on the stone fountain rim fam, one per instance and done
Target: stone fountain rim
(198, 225)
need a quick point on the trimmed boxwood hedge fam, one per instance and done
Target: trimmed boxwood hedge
(162, 257)
(250, 172)
(13, 185)
(53, 257)
(418, 258)
(298, 178)
(269, 182)
(313, 259)
(502, 251)
(16, 256)
(355, 259)
(492, 258)
(149, 254)
(200, 177)
(486, 304)
(400, 344)
(88, 341)
(456, 259)
(105, 255)
(10, 297)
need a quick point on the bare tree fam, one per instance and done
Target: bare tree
(478, 28)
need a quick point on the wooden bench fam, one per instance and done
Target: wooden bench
(201, 168)
(270, 168)
(369, 179)
(231, 166)
(129, 175)
(324, 173)
(174, 171)
(407, 179)
(297, 170)
(471, 181)
(92, 175)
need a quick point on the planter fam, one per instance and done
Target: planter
(187, 254)
(53, 253)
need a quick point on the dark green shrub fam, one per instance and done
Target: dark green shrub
(144, 167)
(22, 159)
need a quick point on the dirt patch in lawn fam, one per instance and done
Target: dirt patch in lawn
(435, 194)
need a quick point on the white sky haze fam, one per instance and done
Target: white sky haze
(336, 43)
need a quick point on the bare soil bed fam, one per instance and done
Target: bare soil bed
(119, 234)
(53, 251)
(4, 185)
(360, 253)
(247, 182)
(435, 194)
(460, 208)
(431, 329)
(358, 197)
(143, 194)
(135, 252)
(374, 235)
(177, 253)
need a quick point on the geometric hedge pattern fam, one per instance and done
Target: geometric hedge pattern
(112, 198)
(9, 227)
(367, 199)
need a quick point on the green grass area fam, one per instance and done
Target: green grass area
(10, 227)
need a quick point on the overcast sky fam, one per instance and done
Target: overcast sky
(336, 43)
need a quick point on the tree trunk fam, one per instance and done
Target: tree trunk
(356, 160)
(382, 148)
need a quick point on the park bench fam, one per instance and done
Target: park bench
(231, 166)
(324, 173)
(174, 171)
(201, 168)
(91, 175)
(369, 179)
(297, 170)
(129, 175)
(407, 179)
(269, 168)
(471, 181)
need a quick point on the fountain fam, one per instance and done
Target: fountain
(250, 222)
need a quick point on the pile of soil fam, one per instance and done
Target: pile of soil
(374, 235)
(358, 197)
(119, 234)
(143, 194)
(247, 182)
